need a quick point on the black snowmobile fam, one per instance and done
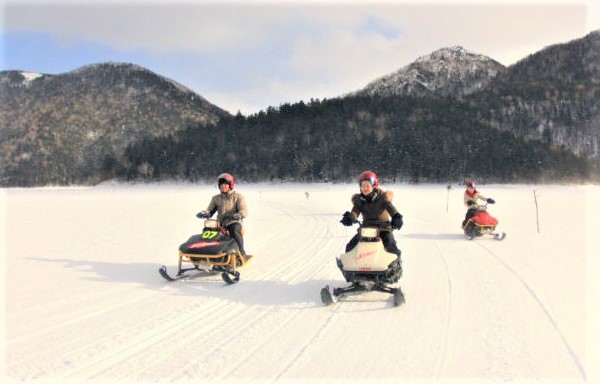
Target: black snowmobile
(367, 267)
(212, 251)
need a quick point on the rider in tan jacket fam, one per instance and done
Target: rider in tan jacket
(230, 207)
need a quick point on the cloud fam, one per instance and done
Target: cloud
(163, 28)
(265, 53)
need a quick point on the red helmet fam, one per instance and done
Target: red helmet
(471, 184)
(369, 176)
(226, 178)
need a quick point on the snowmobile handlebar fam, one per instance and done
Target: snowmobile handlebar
(482, 207)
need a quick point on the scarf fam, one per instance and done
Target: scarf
(471, 194)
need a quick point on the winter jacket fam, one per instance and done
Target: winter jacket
(376, 209)
(473, 197)
(227, 205)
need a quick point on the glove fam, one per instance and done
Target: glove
(470, 202)
(203, 215)
(237, 216)
(397, 222)
(491, 201)
(348, 219)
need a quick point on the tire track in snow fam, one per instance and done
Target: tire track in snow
(442, 351)
(130, 348)
(100, 356)
(228, 320)
(441, 357)
(544, 309)
(297, 262)
(241, 360)
(162, 339)
(285, 227)
(103, 310)
(294, 266)
(107, 343)
(532, 294)
(56, 343)
(326, 325)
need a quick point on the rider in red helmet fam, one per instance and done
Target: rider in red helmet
(376, 208)
(470, 199)
(231, 208)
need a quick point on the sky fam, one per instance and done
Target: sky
(247, 55)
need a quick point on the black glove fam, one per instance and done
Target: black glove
(470, 202)
(347, 219)
(203, 215)
(397, 221)
(491, 201)
(237, 216)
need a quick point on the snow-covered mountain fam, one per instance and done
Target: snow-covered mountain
(450, 71)
(551, 95)
(75, 127)
(72, 125)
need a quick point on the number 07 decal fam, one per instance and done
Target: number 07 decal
(209, 234)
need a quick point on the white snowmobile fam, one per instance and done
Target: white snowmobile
(212, 251)
(368, 267)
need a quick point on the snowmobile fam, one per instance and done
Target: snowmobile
(212, 251)
(367, 267)
(482, 223)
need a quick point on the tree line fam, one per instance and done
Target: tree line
(402, 138)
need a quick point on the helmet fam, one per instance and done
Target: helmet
(369, 176)
(471, 184)
(226, 178)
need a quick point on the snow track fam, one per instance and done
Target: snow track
(544, 309)
(93, 307)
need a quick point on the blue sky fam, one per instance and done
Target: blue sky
(249, 55)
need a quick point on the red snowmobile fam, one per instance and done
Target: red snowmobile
(482, 223)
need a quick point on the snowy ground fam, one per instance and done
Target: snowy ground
(84, 301)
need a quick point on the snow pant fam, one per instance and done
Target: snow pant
(470, 213)
(389, 243)
(235, 230)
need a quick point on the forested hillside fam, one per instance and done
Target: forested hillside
(449, 115)
(402, 138)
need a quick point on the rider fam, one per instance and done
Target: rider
(470, 200)
(376, 208)
(231, 208)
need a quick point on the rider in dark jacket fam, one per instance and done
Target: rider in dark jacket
(376, 208)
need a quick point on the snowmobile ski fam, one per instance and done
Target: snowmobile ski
(329, 298)
(163, 272)
(500, 236)
(399, 298)
(230, 277)
(496, 236)
(326, 296)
